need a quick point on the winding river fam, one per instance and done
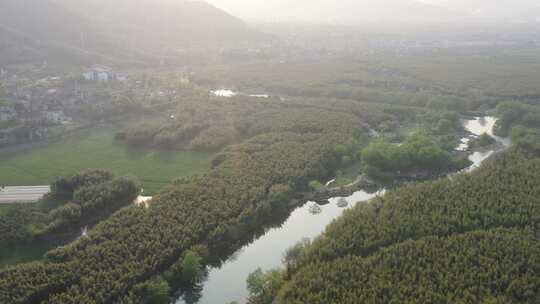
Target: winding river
(227, 283)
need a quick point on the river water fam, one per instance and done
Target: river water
(227, 283)
(230, 93)
(477, 127)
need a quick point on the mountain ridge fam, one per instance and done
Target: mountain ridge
(131, 31)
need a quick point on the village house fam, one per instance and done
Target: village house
(55, 116)
(7, 113)
(103, 74)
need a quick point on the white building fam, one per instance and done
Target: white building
(121, 77)
(103, 74)
(7, 113)
(88, 76)
(98, 74)
(56, 116)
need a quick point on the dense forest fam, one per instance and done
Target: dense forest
(453, 79)
(74, 202)
(270, 149)
(286, 147)
(494, 266)
(235, 129)
(520, 121)
(418, 155)
(468, 239)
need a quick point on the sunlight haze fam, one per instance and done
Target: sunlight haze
(370, 11)
(269, 151)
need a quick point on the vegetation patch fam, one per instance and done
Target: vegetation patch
(75, 202)
(418, 157)
(469, 220)
(96, 148)
(484, 140)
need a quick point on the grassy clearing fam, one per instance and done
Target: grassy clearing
(96, 148)
(348, 175)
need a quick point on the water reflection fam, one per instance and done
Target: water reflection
(479, 126)
(230, 93)
(227, 283)
(225, 93)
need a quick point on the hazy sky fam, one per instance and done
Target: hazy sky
(325, 10)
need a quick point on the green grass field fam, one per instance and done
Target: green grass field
(97, 149)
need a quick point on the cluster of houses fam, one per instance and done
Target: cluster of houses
(22, 112)
(47, 99)
(33, 106)
(30, 104)
(103, 74)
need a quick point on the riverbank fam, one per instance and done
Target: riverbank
(242, 229)
(226, 282)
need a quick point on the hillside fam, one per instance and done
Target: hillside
(164, 22)
(37, 31)
(141, 32)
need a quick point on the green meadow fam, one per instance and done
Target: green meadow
(97, 149)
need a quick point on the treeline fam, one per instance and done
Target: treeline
(521, 122)
(284, 145)
(435, 241)
(200, 123)
(196, 136)
(208, 123)
(418, 156)
(365, 81)
(89, 197)
(482, 141)
(496, 266)
(288, 147)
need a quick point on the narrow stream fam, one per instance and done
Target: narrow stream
(479, 126)
(227, 283)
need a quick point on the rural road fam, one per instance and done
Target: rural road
(23, 194)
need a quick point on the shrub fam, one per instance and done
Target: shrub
(155, 291)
